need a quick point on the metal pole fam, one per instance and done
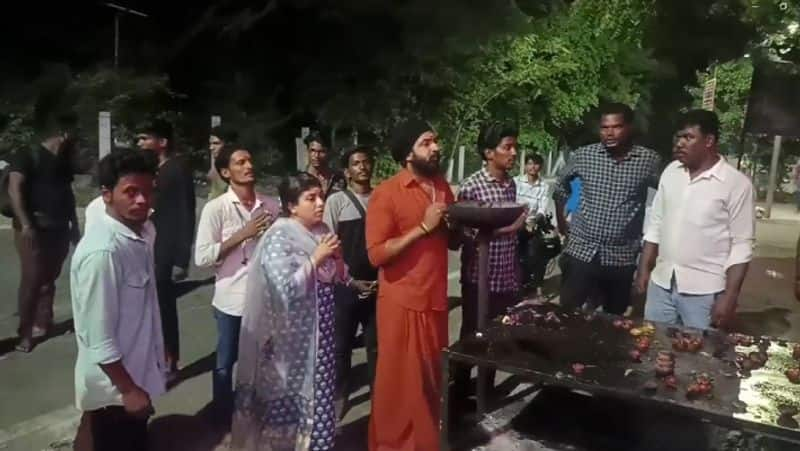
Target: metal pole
(773, 174)
(483, 311)
(116, 40)
(444, 404)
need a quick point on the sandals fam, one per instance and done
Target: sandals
(25, 345)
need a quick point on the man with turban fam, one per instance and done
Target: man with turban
(407, 241)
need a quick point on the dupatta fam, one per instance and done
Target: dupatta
(278, 341)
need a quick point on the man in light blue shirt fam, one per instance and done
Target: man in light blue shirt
(120, 365)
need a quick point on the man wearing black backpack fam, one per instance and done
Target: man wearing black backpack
(345, 214)
(43, 206)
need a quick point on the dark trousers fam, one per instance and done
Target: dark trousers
(227, 353)
(581, 280)
(350, 313)
(533, 263)
(499, 303)
(111, 429)
(168, 304)
(40, 266)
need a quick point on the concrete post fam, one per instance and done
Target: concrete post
(301, 153)
(104, 133)
(773, 174)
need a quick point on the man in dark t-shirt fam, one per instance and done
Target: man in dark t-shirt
(355, 303)
(43, 203)
(174, 219)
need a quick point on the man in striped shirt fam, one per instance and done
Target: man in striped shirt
(605, 234)
(497, 146)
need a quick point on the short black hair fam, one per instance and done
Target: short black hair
(350, 151)
(616, 108)
(223, 160)
(315, 136)
(292, 186)
(158, 128)
(706, 121)
(116, 165)
(224, 133)
(534, 158)
(492, 133)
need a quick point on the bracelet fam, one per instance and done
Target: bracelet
(424, 228)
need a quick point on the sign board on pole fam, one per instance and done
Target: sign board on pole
(709, 93)
(216, 121)
(104, 133)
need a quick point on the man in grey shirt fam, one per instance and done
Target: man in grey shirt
(345, 214)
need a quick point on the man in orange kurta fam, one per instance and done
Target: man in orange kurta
(407, 241)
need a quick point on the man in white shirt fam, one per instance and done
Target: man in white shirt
(534, 193)
(226, 238)
(701, 233)
(120, 366)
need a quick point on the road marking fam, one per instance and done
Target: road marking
(58, 424)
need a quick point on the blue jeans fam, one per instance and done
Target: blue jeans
(227, 354)
(672, 307)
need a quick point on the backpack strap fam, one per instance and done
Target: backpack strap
(356, 203)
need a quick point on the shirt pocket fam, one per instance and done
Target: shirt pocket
(134, 291)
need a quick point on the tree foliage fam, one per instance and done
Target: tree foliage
(732, 92)
(547, 78)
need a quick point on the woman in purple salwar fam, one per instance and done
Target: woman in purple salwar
(285, 381)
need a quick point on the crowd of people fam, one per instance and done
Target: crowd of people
(297, 277)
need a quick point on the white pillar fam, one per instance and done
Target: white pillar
(301, 153)
(773, 174)
(460, 163)
(104, 133)
(450, 165)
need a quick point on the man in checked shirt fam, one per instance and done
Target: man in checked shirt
(603, 239)
(497, 146)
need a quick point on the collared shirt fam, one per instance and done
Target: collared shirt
(609, 220)
(220, 219)
(535, 195)
(702, 227)
(96, 211)
(416, 278)
(503, 261)
(115, 307)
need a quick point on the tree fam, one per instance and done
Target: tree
(732, 92)
(547, 78)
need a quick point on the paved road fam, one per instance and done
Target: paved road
(37, 389)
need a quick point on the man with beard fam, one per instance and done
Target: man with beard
(407, 242)
(318, 165)
(497, 146)
(45, 222)
(701, 233)
(174, 218)
(604, 235)
(345, 214)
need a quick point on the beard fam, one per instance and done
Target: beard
(425, 168)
